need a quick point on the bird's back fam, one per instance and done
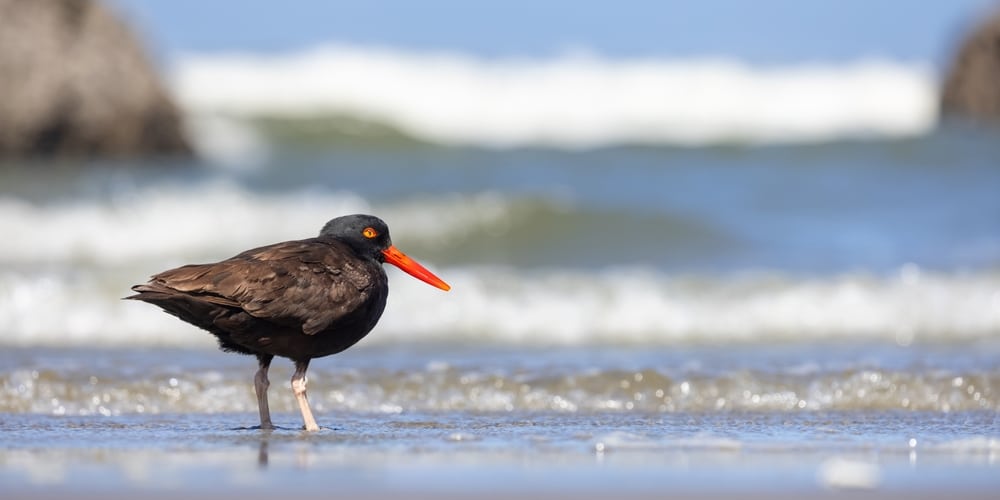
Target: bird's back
(298, 299)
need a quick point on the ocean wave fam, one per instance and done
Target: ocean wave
(634, 305)
(79, 256)
(178, 223)
(575, 101)
(208, 220)
(441, 387)
(617, 306)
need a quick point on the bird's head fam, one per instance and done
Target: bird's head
(369, 236)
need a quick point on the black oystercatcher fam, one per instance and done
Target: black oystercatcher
(299, 299)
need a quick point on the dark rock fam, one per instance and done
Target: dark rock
(972, 88)
(75, 82)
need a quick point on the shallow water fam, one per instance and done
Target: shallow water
(441, 378)
(474, 453)
(498, 420)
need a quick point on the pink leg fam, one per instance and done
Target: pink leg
(299, 388)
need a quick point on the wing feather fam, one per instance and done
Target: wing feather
(306, 283)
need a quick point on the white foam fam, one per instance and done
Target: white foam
(78, 257)
(572, 101)
(634, 305)
(508, 306)
(210, 221)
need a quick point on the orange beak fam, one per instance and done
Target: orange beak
(411, 267)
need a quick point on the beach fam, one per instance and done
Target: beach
(726, 315)
(507, 422)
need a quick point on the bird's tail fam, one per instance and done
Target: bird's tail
(150, 292)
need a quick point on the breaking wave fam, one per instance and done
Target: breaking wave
(574, 101)
(189, 222)
(439, 386)
(62, 277)
(618, 306)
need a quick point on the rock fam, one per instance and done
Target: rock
(972, 87)
(75, 82)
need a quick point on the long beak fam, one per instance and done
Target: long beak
(400, 260)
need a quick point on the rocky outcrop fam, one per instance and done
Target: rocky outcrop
(972, 87)
(75, 82)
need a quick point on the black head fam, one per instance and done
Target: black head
(366, 234)
(369, 237)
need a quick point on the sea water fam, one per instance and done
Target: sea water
(457, 420)
(732, 312)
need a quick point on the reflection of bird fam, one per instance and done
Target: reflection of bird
(298, 299)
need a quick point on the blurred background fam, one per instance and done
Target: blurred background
(646, 172)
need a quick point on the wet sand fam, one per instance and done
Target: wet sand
(518, 455)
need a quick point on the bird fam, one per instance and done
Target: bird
(300, 299)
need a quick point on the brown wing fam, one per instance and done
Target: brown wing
(304, 283)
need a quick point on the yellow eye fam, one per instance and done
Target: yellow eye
(369, 233)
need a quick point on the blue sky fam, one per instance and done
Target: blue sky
(762, 31)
